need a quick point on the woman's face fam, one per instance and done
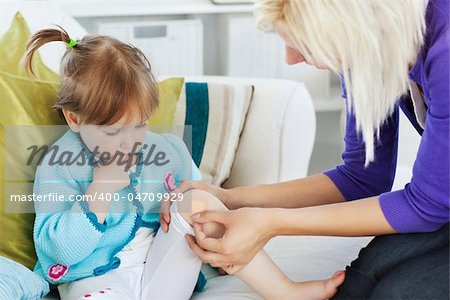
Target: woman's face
(292, 55)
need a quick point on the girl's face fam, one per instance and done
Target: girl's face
(125, 137)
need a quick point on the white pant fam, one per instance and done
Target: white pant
(170, 271)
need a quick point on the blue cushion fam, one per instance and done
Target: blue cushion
(18, 282)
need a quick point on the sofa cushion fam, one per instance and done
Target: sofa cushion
(210, 118)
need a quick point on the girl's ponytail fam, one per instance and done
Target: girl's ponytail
(41, 38)
(101, 78)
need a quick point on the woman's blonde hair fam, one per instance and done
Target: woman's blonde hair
(102, 79)
(370, 43)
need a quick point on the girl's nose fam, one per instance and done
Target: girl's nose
(127, 143)
(292, 56)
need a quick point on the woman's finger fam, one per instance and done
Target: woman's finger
(208, 216)
(205, 242)
(205, 256)
(185, 185)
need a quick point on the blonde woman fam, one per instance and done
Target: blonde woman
(390, 54)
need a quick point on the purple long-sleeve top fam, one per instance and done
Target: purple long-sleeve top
(423, 204)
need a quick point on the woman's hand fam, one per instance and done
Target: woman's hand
(246, 233)
(224, 195)
(186, 185)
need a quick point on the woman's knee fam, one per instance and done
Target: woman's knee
(386, 252)
(421, 277)
(373, 258)
(425, 277)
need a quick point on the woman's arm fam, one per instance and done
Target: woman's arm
(246, 234)
(352, 218)
(309, 191)
(424, 204)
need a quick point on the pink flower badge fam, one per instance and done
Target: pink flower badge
(57, 271)
(169, 182)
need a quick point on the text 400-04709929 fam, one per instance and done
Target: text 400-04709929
(54, 197)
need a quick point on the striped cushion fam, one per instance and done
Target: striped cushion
(209, 117)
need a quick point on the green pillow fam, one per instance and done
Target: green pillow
(28, 101)
(24, 101)
(170, 90)
(12, 48)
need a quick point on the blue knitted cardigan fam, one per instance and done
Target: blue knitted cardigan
(70, 242)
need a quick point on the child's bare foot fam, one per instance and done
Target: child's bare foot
(316, 290)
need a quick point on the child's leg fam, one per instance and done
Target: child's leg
(171, 269)
(261, 273)
(118, 284)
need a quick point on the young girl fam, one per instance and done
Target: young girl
(102, 241)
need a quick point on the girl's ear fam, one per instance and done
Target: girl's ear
(72, 120)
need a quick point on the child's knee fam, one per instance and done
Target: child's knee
(195, 201)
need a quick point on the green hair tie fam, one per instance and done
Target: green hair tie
(71, 43)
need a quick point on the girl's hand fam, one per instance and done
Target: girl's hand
(244, 236)
(109, 178)
(164, 214)
(112, 177)
(224, 195)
